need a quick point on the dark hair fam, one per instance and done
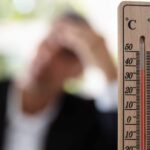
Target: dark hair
(73, 16)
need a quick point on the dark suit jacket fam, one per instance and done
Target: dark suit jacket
(79, 126)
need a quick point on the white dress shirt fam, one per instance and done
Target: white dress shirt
(107, 100)
(25, 132)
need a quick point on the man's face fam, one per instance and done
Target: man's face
(54, 64)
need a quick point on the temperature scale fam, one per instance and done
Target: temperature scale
(134, 76)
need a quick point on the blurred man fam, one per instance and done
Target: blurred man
(36, 114)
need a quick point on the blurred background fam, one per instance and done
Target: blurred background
(24, 23)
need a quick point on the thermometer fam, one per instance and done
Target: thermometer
(134, 76)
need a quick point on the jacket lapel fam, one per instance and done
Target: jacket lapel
(70, 131)
(3, 98)
(59, 134)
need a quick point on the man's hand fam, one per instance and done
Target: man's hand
(86, 44)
